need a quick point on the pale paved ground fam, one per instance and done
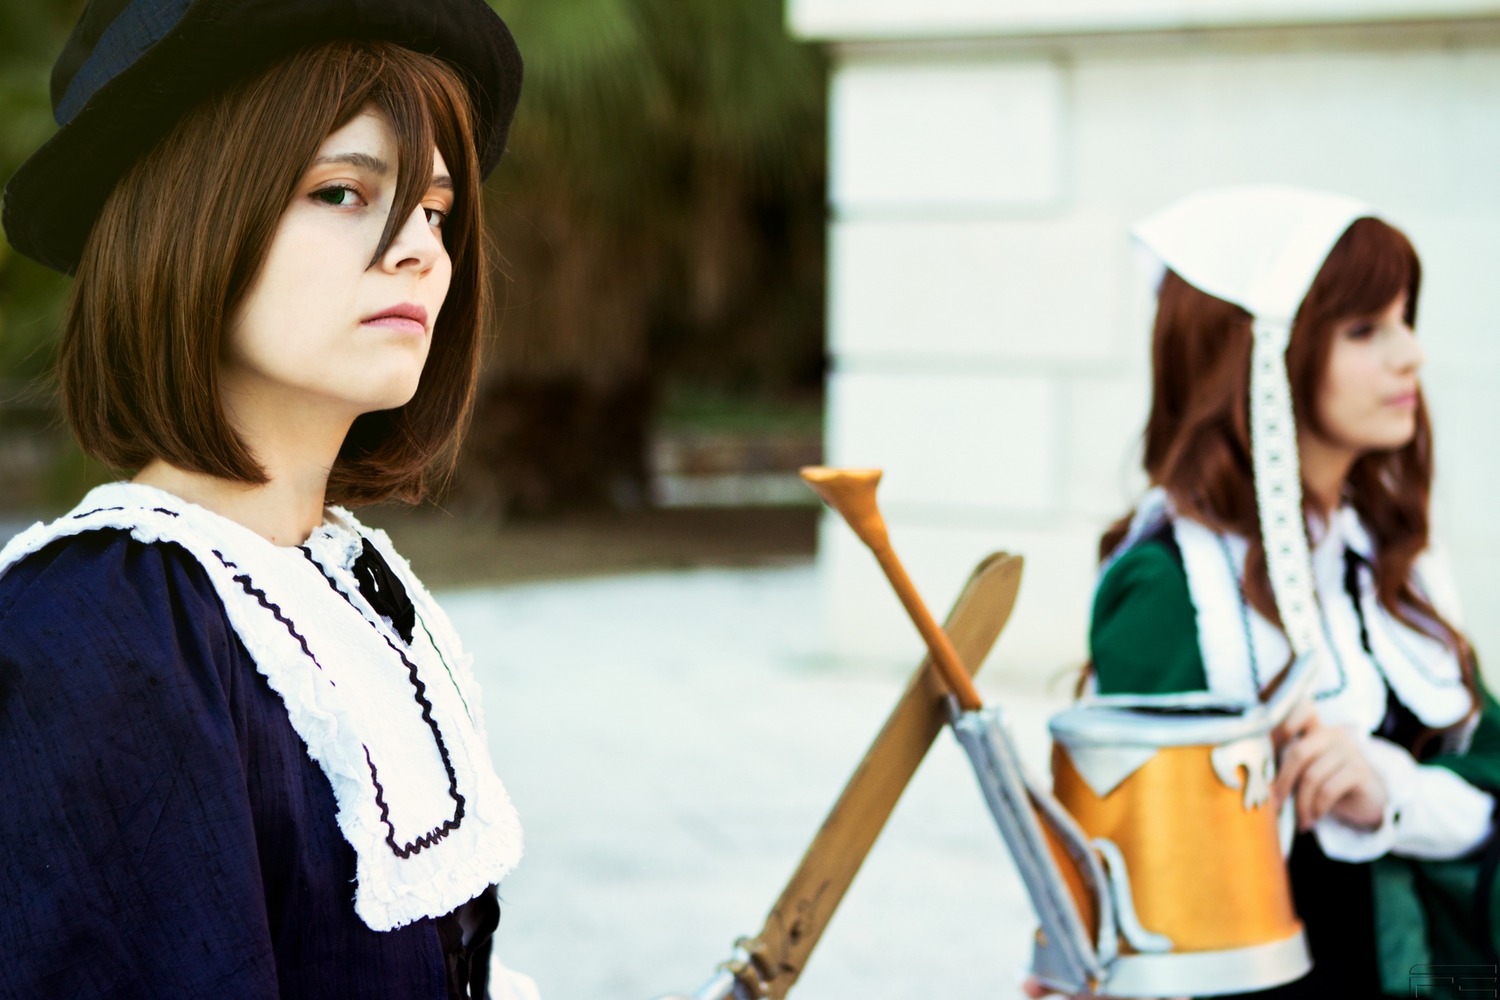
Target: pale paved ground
(673, 740)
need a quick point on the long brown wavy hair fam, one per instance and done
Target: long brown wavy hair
(1197, 438)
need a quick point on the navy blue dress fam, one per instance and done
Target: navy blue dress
(163, 832)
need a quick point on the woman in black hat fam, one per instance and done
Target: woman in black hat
(243, 755)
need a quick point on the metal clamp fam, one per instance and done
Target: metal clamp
(741, 976)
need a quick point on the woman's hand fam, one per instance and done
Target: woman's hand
(1325, 769)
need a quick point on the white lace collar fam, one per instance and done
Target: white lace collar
(396, 727)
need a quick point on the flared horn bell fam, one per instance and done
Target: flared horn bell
(851, 492)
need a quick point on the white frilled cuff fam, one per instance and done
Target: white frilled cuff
(1430, 813)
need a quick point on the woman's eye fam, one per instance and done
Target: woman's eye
(435, 217)
(339, 195)
(1359, 331)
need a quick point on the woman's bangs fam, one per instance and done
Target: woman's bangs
(1370, 265)
(425, 107)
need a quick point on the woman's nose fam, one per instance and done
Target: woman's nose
(1409, 351)
(417, 244)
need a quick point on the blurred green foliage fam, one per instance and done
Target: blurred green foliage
(39, 467)
(31, 33)
(690, 407)
(661, 203)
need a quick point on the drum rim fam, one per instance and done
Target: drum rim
(1194, 718)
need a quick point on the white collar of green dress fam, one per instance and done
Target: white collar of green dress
(1242, 650)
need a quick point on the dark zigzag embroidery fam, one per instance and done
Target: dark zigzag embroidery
(96, 510)
(243, 579)
(328, 579)
(437, 833)
(348, 596)
(448, 826)
(429, 839)
(101, 510)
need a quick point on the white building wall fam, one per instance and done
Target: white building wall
(988, 323)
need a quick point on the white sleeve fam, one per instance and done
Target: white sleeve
(1430, 813)
(508, 984)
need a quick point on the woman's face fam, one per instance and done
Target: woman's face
(321, 327)
(1367, 399)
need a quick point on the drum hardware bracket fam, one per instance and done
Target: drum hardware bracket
(1129, 922)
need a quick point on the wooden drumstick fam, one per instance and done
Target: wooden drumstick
(851, 492)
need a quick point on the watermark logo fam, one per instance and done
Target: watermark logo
(1454, 982)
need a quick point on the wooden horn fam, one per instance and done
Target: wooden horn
(851, 492)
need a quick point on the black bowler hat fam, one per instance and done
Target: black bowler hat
(132, 68)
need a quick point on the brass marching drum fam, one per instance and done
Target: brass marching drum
(1174, 793)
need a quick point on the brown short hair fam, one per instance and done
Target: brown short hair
(187, 229)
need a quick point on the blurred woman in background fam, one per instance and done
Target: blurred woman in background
(1390, 764)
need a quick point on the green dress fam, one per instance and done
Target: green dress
(1143, 639)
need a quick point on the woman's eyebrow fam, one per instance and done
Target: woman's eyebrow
(379, 167)
(364, 161)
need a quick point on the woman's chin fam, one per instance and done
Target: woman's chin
(390, 397)
(378, 402)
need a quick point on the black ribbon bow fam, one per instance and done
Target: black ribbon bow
(384, 591)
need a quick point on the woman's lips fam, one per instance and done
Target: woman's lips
(403, 323)
(406, 317)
